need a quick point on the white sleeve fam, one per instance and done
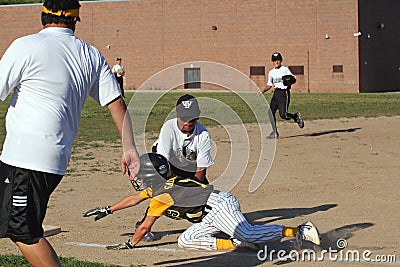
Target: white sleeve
(269, 81)
(11, 65)
(164, 143)
(204, 158)
(106, 89)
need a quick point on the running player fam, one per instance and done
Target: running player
(281, 98)
(210, 210)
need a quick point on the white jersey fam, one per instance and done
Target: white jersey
(185, 153)
(52, 73)
(116, 68)
(275, 77)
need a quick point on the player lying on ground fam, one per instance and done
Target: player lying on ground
(185, 143)
(210, 210)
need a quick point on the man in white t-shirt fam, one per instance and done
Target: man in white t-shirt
(119, 72)
(185, 142)
(51, 74)
(281, 98)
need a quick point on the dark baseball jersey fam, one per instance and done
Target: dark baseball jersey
(178, 198)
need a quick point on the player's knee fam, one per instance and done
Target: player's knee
(25, 241)
(182, 241)
(284, 116)
(247, 234)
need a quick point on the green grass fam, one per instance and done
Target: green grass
(97, 125)
(331, 106)
(312, 106)
(13, 260)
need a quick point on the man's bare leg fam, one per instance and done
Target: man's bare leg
(40, 254)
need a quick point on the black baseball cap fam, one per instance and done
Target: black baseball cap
(118, 58)
(276, 56)
(187, 108)
(62, 8)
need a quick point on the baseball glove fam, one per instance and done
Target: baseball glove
(288, 80)
(121, 72)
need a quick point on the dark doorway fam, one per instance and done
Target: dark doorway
(379, 43)
(192, 78)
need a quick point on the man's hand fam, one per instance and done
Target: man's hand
(130, 160)
(99, 212)
(262, 91)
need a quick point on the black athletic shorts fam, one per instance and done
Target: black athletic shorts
(24, 195)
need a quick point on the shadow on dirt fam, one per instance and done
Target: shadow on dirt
(349, 130)
(282, 252)
(286, 213)
(269, 251)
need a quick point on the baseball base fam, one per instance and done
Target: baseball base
(50, 230)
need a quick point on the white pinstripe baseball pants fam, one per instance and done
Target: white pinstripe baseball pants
(225, 216)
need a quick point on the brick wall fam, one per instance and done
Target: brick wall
(153, 35)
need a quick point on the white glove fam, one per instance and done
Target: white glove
(126, 245)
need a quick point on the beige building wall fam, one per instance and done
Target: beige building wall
(151, 35)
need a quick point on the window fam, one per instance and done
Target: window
(337, 68)
(297, 70)
(257, 70)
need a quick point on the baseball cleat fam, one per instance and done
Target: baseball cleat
(308, 232)
(273, 135)
(299, 120)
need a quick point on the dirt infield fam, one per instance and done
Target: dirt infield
(341, 174)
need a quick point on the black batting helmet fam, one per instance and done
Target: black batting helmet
(276, 56)
(152, 166)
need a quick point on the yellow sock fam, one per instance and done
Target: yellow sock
(289, 231)
(224, 244)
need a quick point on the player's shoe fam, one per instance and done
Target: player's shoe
(307, 231)
(299, 120)
(244, 245)
(273, 135)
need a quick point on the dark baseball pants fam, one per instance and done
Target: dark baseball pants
(280, 101)
(120, 81)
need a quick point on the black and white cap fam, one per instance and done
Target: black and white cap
(276, 56)
(187, 108)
